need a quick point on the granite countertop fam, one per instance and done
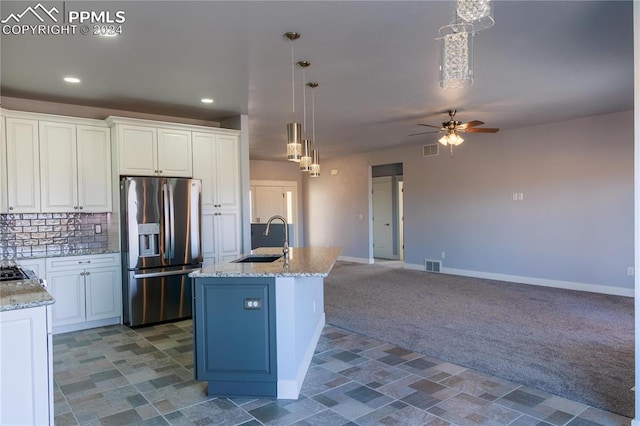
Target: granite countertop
(83, 252)
(22, 294)
(303, 262)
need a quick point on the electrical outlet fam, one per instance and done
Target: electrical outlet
(442, 254)
(98, 228)
(252, 303)
(629, 271)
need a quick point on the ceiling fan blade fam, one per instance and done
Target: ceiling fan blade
(481, 130)
(429, 125)
(424, 133)
(470, 124)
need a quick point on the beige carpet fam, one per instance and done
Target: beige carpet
(577, 345)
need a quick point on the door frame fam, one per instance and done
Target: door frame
(296, 211)
(397, 184)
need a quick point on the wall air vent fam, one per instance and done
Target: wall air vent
(432, 265)
(430, 150)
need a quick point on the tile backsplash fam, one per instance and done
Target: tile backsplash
(52, 234)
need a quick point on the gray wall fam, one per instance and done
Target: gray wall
(574, 223)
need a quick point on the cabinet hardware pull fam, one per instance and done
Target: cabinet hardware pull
(87, 273)
(81, 273)
(10, 208)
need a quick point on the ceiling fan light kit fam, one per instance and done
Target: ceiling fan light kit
(452, 127)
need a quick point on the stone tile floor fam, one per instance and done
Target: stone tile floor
(117, 376)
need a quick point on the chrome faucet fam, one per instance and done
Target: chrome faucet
(285, 249)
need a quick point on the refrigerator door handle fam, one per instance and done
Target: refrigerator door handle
(167, 233)
(195, 221)
(165, 273)
(172, 222)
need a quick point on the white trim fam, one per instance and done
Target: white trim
(290, 389)
(543, 282)
(356, 259)
(52, 117)
(113, 119)
(86, 325)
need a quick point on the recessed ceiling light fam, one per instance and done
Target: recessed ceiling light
(72, 80)
(206, 100)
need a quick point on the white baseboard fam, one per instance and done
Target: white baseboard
(567, 285)
(86, 325)
(355, 259)
(290, 389)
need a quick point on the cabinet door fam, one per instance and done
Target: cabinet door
(228, 235)
(3, 168)
(204, 167)
(102, 287)
(174, 153)
(215, 162)
(67, 287)
(227, 172)
(24, 371)
(137, 147)
(58, 167)
(94, 169)
(23, 166)
(209, 235)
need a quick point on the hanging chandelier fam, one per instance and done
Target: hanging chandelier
(294, 129)
(314, 167)
(456, 60)
(476, 12)
(305, 157)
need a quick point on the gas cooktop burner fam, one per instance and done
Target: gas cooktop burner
(8, 273)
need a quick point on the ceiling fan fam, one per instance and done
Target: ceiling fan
(452, 127)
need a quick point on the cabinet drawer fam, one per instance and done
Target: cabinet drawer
(88, 261)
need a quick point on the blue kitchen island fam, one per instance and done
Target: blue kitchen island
(257, 321)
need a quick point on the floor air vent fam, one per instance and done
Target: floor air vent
(432, 265)
(430, 150)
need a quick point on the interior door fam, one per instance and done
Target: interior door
(383, 218)
(269, 201)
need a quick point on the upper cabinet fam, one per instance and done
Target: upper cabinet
(54, 164)
(23, 165)
(3, 168)
(75, 168)
(144, 150)
(216, 163)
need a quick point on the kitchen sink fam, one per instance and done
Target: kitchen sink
(258, 258)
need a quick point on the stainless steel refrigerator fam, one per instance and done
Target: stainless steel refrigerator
(161, 245)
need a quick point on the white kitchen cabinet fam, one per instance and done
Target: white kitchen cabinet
(87, 290)
(23, 165)
(216, 163)
(94, 169)
(153, 151)
(220, 236)
(75, 168)
(26, 373)
(3, 168)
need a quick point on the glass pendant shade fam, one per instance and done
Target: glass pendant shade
(451, 138)
(475, 12)
(456, 62)
(315, 164)
(305, 158)
(294, 147)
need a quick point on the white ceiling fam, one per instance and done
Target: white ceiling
(376, 62)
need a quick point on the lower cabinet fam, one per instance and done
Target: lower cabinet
(220, 236)
(234, 326)
(87, 290)
(26, 370)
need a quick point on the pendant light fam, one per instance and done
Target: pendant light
(476, 12)
(314, 168)
(456, 60)
(294, 130)
(305, 158)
